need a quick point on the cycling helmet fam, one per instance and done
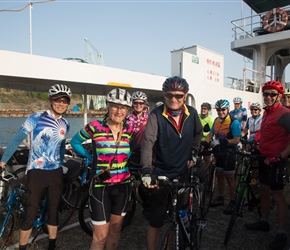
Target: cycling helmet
(238, 100)
(222, 104)
(59, 90)
(119, 96)
(207, 105)
(287, 92)
(255, 105)
(175, 83)
(274, 85)
(139, 96)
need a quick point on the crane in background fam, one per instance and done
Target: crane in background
(94, 57)
(92, 51)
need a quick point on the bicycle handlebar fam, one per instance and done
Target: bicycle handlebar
(164, 181)
(14, 183)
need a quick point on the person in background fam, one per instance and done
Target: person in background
(171, 141)
(206, 121)
(239, 113)
(48, 132)
(226, 132)
(274, 145)
(138, 119)
(109, 186)
(285, 100)
(254, 122)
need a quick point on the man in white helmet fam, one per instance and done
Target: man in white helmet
(48, 132)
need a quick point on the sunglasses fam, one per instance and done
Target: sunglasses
(64, 101)
(177, 96)
(255, 109)
(218, 110)
(138, 103)
(266, 94)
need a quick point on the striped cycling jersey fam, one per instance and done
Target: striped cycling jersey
(46, 140)
(106, 152)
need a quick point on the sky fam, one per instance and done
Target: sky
(133, 35)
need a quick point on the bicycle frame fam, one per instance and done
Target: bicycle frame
(11, 203)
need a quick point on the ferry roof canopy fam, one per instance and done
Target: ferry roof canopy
(260, 6)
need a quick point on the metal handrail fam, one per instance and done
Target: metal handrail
(250, 26)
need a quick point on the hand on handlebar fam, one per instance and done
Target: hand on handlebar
(148, 179)
(271, 160)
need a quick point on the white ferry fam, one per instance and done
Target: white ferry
(262, 37)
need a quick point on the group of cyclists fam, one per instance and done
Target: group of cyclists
(164, 141)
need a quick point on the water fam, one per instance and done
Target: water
(10, 125)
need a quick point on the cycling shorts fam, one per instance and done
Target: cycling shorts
(108, 200)
(226, 162)
(39, 180)
(272, 176)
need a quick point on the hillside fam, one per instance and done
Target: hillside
(16, 99)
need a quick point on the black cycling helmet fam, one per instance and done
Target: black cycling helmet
(175, 83)
(207, 105)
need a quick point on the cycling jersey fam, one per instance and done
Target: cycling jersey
(107, 154)
(275, 130)
(227, 128)
(206, 122)
(240, 115)
(138, 124)
(253, 124)
(47, 141)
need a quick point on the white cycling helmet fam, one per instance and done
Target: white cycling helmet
(255, 105)
(59, 90)
(238, 100)
(139, 96)
(119, 96)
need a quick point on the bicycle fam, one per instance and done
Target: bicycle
(84, 209)
(12, 207)
(175, 234)
(245, 191)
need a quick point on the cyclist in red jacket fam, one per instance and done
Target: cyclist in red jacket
(275, 146)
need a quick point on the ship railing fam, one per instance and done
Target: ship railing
(251, 26)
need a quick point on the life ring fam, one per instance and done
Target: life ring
(279, 20)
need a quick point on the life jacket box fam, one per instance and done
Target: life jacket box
(73, 170)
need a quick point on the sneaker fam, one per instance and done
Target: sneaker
(258, 226)
(217, 202)
(279, 242)
(230, 208)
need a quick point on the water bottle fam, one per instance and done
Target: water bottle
(184, 218)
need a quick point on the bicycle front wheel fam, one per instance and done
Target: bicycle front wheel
(84, 215)
(7, 222)
(209, 185)
(169, 240)
(236, 212)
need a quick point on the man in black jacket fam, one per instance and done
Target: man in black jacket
(171, 140)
